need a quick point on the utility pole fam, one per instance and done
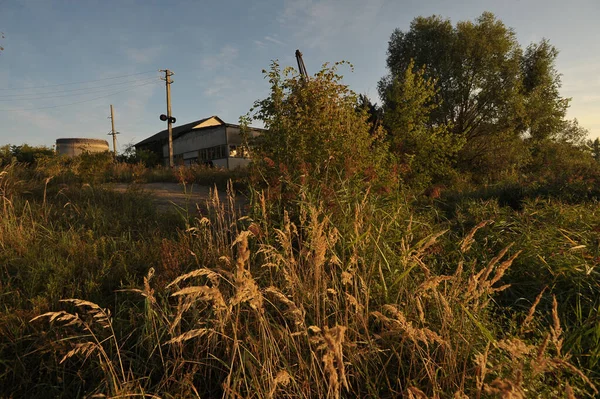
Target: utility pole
(113, 132)
(169, 119)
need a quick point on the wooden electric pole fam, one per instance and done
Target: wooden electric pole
(168, 82)
(113, 132)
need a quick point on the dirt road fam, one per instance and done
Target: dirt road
(169, 195)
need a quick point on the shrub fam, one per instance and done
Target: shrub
(314, 134)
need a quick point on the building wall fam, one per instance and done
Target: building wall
(221, 146)
(234, 137)
(195, 140)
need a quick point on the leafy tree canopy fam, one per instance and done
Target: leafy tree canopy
(425, 150)
(488, 90)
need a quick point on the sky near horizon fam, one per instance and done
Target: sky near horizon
(65, 62)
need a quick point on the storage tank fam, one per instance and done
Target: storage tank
(74, 147)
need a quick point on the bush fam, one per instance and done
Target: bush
(23, 153)
(314, 135)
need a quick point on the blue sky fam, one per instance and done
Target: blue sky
(217, 51)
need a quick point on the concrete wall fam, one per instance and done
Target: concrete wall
(220, 163)
(74, 147)
(238, 163)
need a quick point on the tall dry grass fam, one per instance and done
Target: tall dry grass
(352, 297)
(312, 307)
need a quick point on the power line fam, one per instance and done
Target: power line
(76, 83)
(75, 103)
(73, 90)
(91, 90)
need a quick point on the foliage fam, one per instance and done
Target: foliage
(374, 111)
(23, 153)
(101, 168)
(488, 90)
(94, 167)
(594, 148)
(313, 131)
(545, 108)
(131, 155)
(476, 67)
(426, 151)
(565, 170)
(572, 133)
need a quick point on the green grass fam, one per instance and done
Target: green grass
(342, 294)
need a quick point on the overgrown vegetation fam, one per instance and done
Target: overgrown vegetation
(373, 261)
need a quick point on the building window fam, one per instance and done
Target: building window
(211, 153)
(238, 151)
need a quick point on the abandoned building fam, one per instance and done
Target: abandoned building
(208, 141)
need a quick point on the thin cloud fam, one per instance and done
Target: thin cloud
(219, 86)
(226, 56)
(321, 24)
(273, 40)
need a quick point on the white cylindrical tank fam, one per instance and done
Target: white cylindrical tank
(75, 146)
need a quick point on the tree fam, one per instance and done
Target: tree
(475, 66)
(29, 154)
(425, 150)
(132, 156)
(545, 108)
(489, 91)
(314, 132)
(569, 131)
(594, 148)
(374, 112)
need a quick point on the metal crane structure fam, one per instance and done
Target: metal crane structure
(301, 66)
